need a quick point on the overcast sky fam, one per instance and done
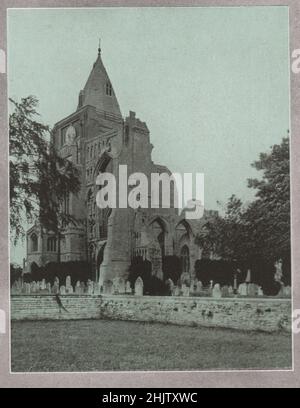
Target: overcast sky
(212, 84)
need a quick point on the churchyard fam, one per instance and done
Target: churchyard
(121, 286)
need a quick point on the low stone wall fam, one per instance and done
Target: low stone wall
(46, 307)
(243, 314)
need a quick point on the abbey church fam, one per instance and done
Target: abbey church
(96, 138)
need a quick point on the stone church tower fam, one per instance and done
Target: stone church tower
(97, 139)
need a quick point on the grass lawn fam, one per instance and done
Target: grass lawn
(99, 345)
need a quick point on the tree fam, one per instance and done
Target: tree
(225, 236)
(39, 178)
(269, 216)
(260, 231)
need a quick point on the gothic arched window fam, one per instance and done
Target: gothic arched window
(51, 244)
(34, 242)
(185, 258)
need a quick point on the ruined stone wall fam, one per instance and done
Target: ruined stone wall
(243, 314)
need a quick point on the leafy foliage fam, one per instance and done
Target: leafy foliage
(39, 178)
(152, 285)
(259, 232)
(78, 270)
(172, 268)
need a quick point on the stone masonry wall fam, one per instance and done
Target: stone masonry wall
(243, 314)
(45, 307)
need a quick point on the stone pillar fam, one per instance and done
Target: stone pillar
(117, 252)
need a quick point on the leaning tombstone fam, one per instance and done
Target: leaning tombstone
(139, 287)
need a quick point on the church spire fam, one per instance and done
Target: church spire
(98, 90)
(99, 47)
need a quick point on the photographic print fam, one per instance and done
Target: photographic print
(150, 192)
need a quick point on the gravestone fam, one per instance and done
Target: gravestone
(193, 286)
(121, 286)
(68, 281)
(56, 281)
(260, 292)
(55, 288)
(230, 291)
(82, 288)
(69, 290)
(243, 289)
(16, 288)
(108, 288)
(97, 289)
(90, 287)
(216, 292)
(287, 291)
(252, 290)
(33, 288)
(225, 291)
(77, 288)
(128, 289)
(185, 279)
(139, 287)
(43, 285)
(62, 290)
(176, 291)
(199, 287)
(48, 288)
(185, 290)
(27, 288)
(38, 286)
(170, 285)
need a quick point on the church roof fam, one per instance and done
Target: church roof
(98, 90)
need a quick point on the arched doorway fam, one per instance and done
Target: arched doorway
(185, 259)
